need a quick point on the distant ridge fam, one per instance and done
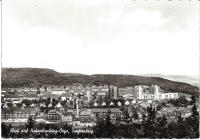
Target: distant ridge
(193, 80)
(16, 77)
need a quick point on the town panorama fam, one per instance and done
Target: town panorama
(98, 111)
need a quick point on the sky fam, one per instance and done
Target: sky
(102, 36)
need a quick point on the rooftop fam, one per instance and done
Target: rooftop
(115, 110)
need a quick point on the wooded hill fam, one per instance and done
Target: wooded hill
(29, 77)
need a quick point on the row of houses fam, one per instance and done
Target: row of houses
(55, 115)
(153, 92)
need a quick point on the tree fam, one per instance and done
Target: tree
(5, 130)
(26, 102)
(125, 112)
(45, 88)
(161, 127)
(151, 117)
(40, 100)
(135, 115)
(193, 121)
(99, 127)
(54, 102)
(63, 102)
(48, 99)
(177, 130)
(30, 123)
(38, 90)
(183, 100)
(144, 118)
(163, 121)
(195, 113)
(159, 107)
(148, 122)
(174, 102)
(108, 126)
(69, 128)
(193, 100)
(108, 118)
(180, 119)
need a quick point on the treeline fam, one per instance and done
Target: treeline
(152, 127)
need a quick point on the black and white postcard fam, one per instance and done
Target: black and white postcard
(100, 69)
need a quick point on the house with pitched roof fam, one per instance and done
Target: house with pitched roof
(86, 115)
(53, 116)
(102, 112)
(19, 113)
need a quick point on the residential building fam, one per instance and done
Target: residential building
(102, 112)
(19, 113)
(53, 116)
(86, 115)
(11, 98)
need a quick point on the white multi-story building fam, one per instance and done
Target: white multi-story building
(58, 92)
(88, 93)
(153, 93)
(115, 88)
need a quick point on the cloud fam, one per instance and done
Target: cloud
(37, 46)
(82, 16)
(102, 36)
(140, 19)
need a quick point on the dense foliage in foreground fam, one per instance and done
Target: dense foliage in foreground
(151, 127)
